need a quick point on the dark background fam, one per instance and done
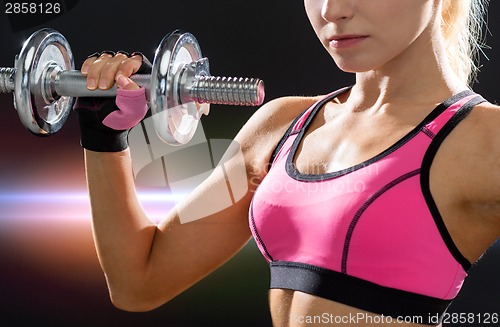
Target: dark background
(49, 274)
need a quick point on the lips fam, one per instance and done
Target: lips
(345, 41)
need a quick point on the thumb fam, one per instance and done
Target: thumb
(126, 83)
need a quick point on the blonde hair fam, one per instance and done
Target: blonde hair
(462, 27)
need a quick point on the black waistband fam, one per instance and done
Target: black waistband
(357, 293)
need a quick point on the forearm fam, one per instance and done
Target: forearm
(123, 235)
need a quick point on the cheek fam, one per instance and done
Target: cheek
(401, 20)
(394, 26)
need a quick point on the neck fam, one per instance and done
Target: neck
(422, 69)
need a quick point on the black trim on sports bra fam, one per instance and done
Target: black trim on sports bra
(293, 172)
(356, 292)
(290, 128)
(284, 138)
(425, 180)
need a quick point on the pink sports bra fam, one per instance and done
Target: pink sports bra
(369, 236)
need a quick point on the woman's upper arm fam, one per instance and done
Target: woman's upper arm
(478, 160)
(210, 225)
(488, 144)
(491, 138)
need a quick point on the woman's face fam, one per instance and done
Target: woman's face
(363, 35)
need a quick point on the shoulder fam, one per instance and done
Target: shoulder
(479, 133)
(262, 132)
(485, 131)
(278, 114)
(487, 114)
(475, 152)
(466, 177)
(484, 144)
(482, 127)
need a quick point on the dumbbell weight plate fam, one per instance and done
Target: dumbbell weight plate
(45, 48)
(175, 122)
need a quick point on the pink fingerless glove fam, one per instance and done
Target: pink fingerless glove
(132, 107)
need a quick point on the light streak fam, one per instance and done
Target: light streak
(73, 205)
(81, 196)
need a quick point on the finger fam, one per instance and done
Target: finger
(130, 66)
(109, 71)
(126, 83)
(86, 65)
(94, 70)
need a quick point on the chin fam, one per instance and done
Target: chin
(346, 68)
(349, 65)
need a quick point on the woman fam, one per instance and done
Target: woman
(378, 197)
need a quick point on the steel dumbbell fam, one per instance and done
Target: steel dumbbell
(179, 89)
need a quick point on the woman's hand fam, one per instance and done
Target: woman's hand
(104, 70)
(105, 122)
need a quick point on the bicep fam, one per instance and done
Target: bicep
(202, 232)
(210, 225)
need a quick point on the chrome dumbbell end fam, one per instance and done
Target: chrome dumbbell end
(228, 91)
(196, 84)
(7, 80)
(40, 112)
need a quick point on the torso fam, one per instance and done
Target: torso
(358, 137)
(355, 139)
